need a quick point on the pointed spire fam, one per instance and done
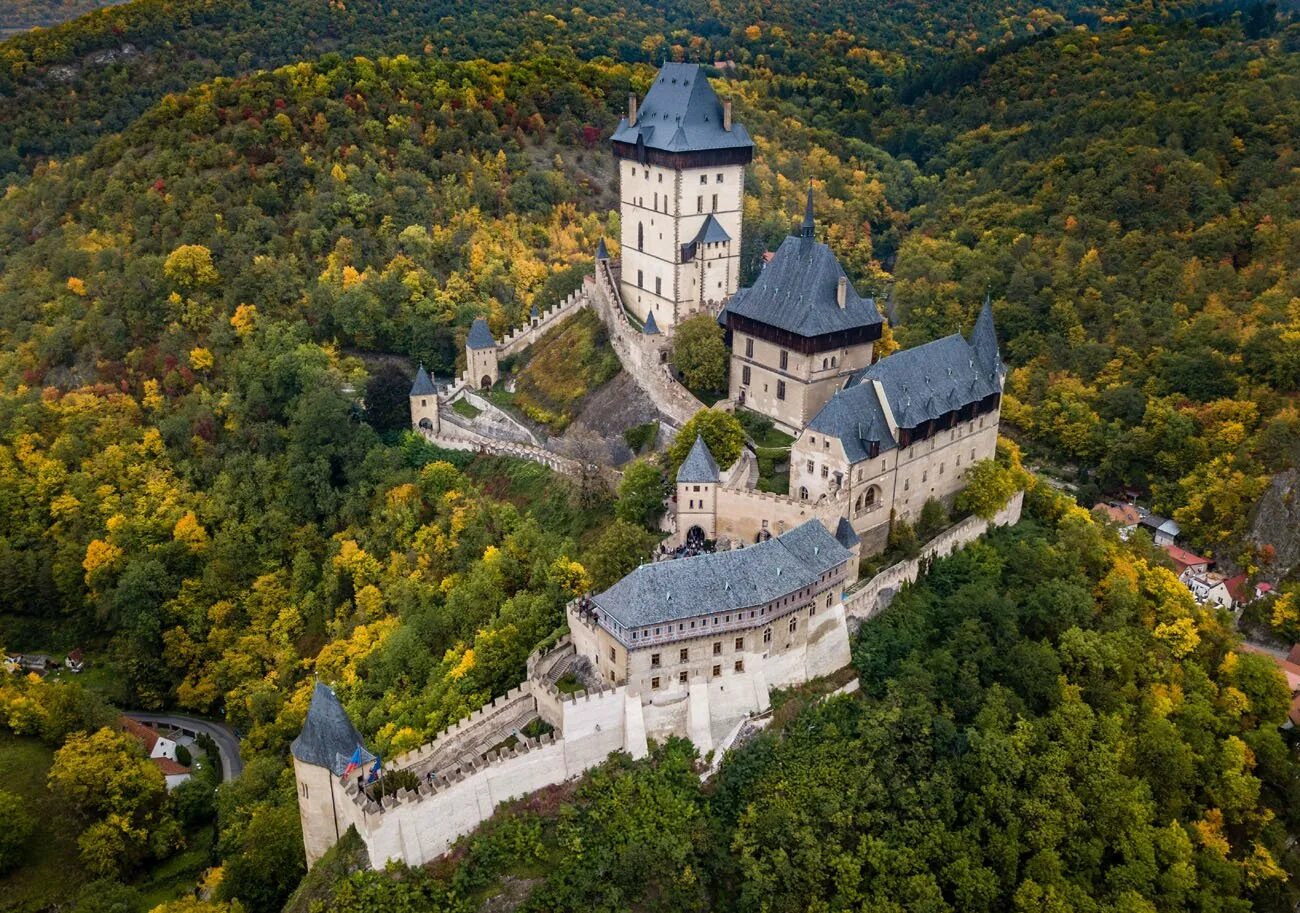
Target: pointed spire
(984, 339)
(327, 733)
(699, 465)
(602, 252)
(650, 328)
(806, 230)
(423, 385)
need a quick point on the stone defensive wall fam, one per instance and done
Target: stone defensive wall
(864, 600)
(643, 356)
(417, 825)
(524, 336)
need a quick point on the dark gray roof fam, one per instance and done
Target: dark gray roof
(327, 732)
(919, 384)
(423, 385)
(924, 382)
(602, 252)
(855, 416)
(797, 292)
(723, 581)
(711, 232)
(699, 465)
(845, 534)
(682, 113)
(480, 337)
(534, 311)
(650, 328)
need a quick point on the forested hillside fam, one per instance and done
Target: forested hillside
(26, 14)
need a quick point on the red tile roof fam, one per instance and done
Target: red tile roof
(148, 738)
(1237, 588)
(169, 767)
(1185, 559)
(1123, 514)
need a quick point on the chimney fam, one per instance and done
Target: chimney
(631, 109)
(842, 292)
(726, 115)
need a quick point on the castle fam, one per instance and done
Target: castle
(693, 646)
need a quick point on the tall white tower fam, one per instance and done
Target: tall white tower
(681, 166)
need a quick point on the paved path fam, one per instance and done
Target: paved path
(227, 742)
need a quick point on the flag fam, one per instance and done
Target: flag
(353, 763)
(374, 770)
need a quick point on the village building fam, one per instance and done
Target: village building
(1186, 564)
(681, 168)
(162, 751)
(1163, 531)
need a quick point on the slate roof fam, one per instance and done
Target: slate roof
(711, 232)
(682, 113)
(423, 385)
(723, 581)
(326, 733)
(650, 328)
(602, 252)
(845, 534)
(920, 384)
(480, 337)
(534, 311)
(699, 465)
(797, 292)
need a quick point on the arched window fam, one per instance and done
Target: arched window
(871, 496)
(640, 236)
(803, 493)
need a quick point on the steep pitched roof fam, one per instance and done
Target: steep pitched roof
(984, 339)
(534, 311)
(797, 292)
(856, 417)
(699, 465)
(602, 252)
(845, 534)
(924, 382)
(650, 328)
(145, 735)
(480, 337)
(327, 732)
(423, 385)
(681, 113)
(711, 232)
(723, 581)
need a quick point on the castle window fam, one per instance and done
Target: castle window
(785, 359)
(925, 475)
(767, 636)
(681, 677)
(640, 240)
(612, 656)
(794, 623)
(717, 670)
(832, 361)
(826, 443)
(661, 180)
(828, 600)
(697, 488)
(749, 347)
(656, 201)
(715, 203)
(304, 791)
(704, 179)
(907, 483)
(780, 389)
(959, 459)
(972, 454)
(740, 643)
(744, 375)
(640, 279)
(825, 363)
(659, 285)
(684, 655)
(654, 683)
(812, 467)
(717, 645)
(940, 469)
(826, 471)
(654, 659)
(803, 493)
(719, 179)
(740, 665)
(699, 204)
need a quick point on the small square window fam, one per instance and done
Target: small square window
(717, 646)
(717, 670)
(684, 655)
(719, 179)
(681, 676)
(654, 683)
(704, 179)
(740, 643)
(740, 665)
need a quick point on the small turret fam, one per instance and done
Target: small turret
(481, 356)
(697, 494)
(602, 252)
(424, 403)
(650, 328)
(320, 756)
(984, 342)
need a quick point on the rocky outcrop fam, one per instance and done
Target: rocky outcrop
(1275, 523)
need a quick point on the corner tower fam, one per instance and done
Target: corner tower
(320, 757)
(697, 495)
(481, 356)
(424, 403)
(681, 166)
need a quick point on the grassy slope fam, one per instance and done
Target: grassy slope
(564, 366)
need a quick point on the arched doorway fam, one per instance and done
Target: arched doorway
(486, 383)
(695, 537)
(426, 425)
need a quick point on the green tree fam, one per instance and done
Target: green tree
(641, 494)
(989, 485)
(190, 267)
(722, 432)
(19, 827)
(621, 547)
(700, 354)
(268, 864)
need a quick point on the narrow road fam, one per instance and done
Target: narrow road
(227, 742)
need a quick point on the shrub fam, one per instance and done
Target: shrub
(19, 826)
